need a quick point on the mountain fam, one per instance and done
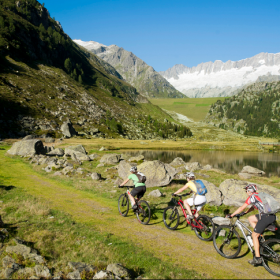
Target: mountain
(46, 80)
(212, 79)
(133, 70)
(255, 111)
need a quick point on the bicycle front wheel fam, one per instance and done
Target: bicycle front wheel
(270, 252)
(227, 241)
(123, 205)
(143, 212)
(171, 217)
(205, 228)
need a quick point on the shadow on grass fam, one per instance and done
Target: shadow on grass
(7, 188)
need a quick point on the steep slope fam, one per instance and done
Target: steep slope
(133, 70)
(217, 78)
(254, 111)
(46, 79)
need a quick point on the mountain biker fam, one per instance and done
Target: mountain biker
(197, 199)
(139, 190)
(258, 222)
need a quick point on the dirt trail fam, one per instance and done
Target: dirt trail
(181, 249)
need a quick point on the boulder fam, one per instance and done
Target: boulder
(103, 275)
(49, 140)
(155, 193)
(137, 158)
(66, 170)
(244, 176)
(221, 221)
(118, 270)
(180, 176)
(57, 173)
(80, 266)
(207, 167)
(56, 152)
(124, 157)
(19, 249)
(9, 262)
(213, 196)
(177, 162)
(42, 271)
(157, 173)
(27, 147)
(192, 166)
(29, 137)
(73, 149)
(77, 156)
(110, 159)
(93, 156)
(74, 275)
(95, 176)
(124, 168)
(103, 149)
(100, 165)
(252, 170)
(67, 129)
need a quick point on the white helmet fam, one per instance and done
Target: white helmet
(251, 187)
(190, 175)
(133, 169)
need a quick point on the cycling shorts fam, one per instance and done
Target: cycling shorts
(199, 201)
(265, 221)
(139, 191)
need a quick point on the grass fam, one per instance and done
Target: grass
(193, 108)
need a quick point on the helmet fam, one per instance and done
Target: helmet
(133, 169)
(190, 175)
(251, 187)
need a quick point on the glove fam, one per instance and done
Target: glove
(119, 187)
(242, 213)
(228, 216)
(173, 194)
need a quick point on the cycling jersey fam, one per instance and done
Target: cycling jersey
(256, 202)
(135, 180)
(192, 186)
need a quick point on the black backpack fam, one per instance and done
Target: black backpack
(141, 177)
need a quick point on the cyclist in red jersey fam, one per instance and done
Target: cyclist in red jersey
(258, 222)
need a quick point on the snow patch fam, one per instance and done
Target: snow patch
(89, 45)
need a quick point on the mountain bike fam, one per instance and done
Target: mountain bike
(203, 226)
(227, 242)
(143, 211)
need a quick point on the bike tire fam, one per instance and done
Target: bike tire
(171, 217)
(271, 264)
(227, 242)
(206, 233)
(123, 205)
(143, 213)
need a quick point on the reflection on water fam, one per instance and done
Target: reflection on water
(231, 162)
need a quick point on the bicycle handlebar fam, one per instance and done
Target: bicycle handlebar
(132, 187)
(237, 215)
(186, 194)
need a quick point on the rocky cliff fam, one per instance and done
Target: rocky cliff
(133, 70)
(223, 78)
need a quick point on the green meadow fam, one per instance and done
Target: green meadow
(194, 108)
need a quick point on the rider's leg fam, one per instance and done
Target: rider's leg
(187, 203)
(253, 221)
(131, 199)
(256, 243)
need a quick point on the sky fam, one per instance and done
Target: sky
(164, 33)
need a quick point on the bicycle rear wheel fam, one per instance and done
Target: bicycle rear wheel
(206, 228)
(227, 241)
(143, 212)
(171, 217)
(270, 252)
(123, 204)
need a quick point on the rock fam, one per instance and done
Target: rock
(29, 137)
(93, 131)
(93, 156)
(67, 129)
(244, 176)
(157, 173)
(103, 275)
(221, 221)
(72, 149)
(49, 140)
(207, 167)
(48, 169)
(8, 272)
(74, 275)
(18, 249)
(218, 171)
(110, 159)
(118, 270)
(42, 271)
(56, 152)
(136, 159)
(80, 266)
(155, 193)
(103, 149)
(202, 175)
(192, 166)
(124, 168)
(180, 176)
(9, 262)
(213, 196)
(77, 156)
(66, 170)
(100, 165)
(124, 157)
(95, 176)
(177, 162)
(26, 272)
(27, 147)
(252, 170)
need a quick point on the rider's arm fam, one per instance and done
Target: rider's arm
(182, 189)
(240, 209)
(250, 209)
(124, 182)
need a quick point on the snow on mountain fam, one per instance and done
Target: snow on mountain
(223, 79)
(90, 45)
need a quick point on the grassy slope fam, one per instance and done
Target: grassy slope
(194, 108)
(160, 253)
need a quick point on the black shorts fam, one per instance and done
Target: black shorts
(139, 191)
(265, 221)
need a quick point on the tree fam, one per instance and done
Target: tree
(80, 79)
(2, 23)
(68, 65)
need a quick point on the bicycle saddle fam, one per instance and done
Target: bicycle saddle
(271, 227)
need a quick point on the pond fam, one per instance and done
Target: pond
(229, 161)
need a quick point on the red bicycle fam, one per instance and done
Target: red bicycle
(203, 226)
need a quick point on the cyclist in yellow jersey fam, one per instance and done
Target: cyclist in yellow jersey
(197, 199)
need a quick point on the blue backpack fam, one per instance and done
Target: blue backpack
(200, 187)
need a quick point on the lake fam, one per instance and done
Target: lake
(229, 161)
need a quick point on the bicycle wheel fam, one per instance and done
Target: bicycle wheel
(227, 241)
(207, 228)
(123, 205)
(270, 252)
(171, 217)
(143, 212)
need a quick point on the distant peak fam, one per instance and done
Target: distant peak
(89, 44)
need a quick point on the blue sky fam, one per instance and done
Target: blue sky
(164, 33)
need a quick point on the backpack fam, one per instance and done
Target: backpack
(141, 177)
(270, 205)
(200, 187)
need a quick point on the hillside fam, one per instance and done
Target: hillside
(133, 70)
(46, 79)
(254, 111)
(219, 78)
